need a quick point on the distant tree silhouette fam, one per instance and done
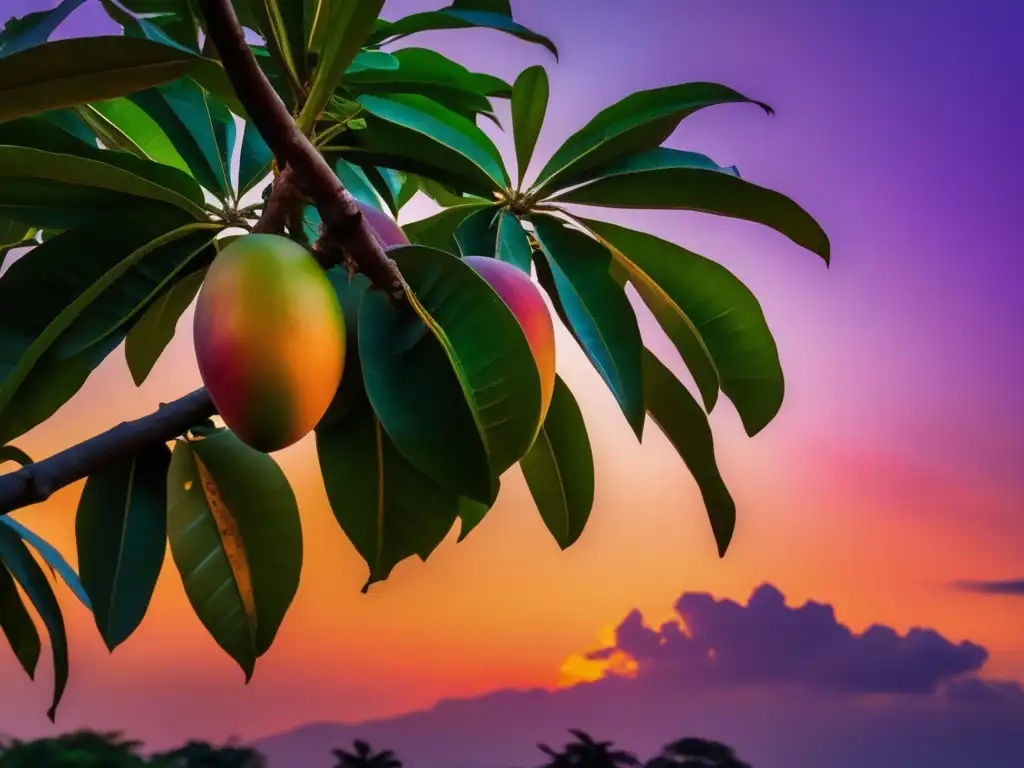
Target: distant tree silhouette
(79, 749)
(363, 756)
(587, 752)
(693, 752)
(199, 754)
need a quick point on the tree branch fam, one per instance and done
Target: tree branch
(343, 221)
(37, 482)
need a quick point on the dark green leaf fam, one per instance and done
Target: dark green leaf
(372, 60)
(201, 129)
(455, 17)
(146, 28)
(529, 105)
(356, 182)
(345, 28)
(154, 330)
(35, 28)
(68, 119)
(679, 416)
(255, 161)
(17, 625)
(711, 317)
(23, 567)
(388, 184)
(513, 244)
(559, 469)
(265, 17)
(121, 533)
(640, 121)
(644, 181)
(477, 235)
(387, 508)
(10, 453)
(460, 405)
(601, 317)
(54, 559)
(423, 71)
(438, 231)
(236, 540)
(66, 73)
(351, 392)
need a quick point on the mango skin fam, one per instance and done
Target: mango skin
(269, 337)
(523, 297)
(387, 230)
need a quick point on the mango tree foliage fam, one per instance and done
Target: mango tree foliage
(119, 187)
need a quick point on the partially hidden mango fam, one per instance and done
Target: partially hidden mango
(522, 296)
(387, 230)
(270, 340)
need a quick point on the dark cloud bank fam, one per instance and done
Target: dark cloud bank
(1014, 587)
(788, 687)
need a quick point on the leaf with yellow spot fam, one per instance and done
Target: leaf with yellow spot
(233, 525)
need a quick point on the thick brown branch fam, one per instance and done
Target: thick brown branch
(36, 482)
(338, 209)
(284, 199)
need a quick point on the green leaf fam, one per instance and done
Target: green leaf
(388, 185)
(600, 316)
(236, 540)
(66, 73)
(265, 17)
(40, 133)
(68, 119)
(140, 129)
(710, 316)
(356, 182)
(372, 60)
(17, 625)
(679, 416)
(200, 127)
(423, 71)
(387, 508)
(646, 181)
(411, 133)
(53, 190)
(559, 469)
(455, 17)
(460, 405)
(351, 392)
(641, 121)
(346, 28)
(495, 233)
(39, 302)
(10, 453)
(154, 330)
(35, 28)
(255, 160)
(53, 559)
(529, 105)
(438, 231)
(23, 567)
(121, 533)
(145, 28)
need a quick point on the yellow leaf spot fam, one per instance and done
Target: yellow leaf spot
(188, 485)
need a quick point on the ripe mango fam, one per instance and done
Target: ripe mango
(387, 230)
(270, 340)
(522, 296)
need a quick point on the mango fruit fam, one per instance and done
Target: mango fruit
(269, 338)
(522, 296)
(387, 230)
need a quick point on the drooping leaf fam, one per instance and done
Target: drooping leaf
(121, 534)
(200, 127)
(66, 73)
(345, 28)
(11, 453)
(641, 121)
(53, 559)
(559, 469)
(38, 303)
(600, 316)
(149, 337)
(35, 28)
(455, 17)
(140, 129)
(236, 540)
(147, 28)
(438, 231)
(17, 625)
(460, 405)
(477, 235)
(529, 105)
(684, 423)
(351, 392)
(255, 160)
(356, 182)
(411, 133)
(649, 180)
(387, 508)
(52, 190)
(710, 316)
(26, 571)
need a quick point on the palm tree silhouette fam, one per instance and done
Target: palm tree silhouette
(365, 757)
(587, 752)
(692, 752)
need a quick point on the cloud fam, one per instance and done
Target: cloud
(1011, 587)
(766, 642)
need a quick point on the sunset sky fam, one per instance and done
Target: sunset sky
(892, 471)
